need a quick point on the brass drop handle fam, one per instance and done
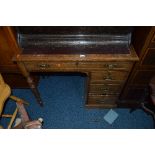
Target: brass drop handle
(104, 89)
(100, 101)
(43, 66)
(110, 66)
(108, 77)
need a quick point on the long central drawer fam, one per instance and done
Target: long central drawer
(89, 66)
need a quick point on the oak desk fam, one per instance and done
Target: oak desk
(105, 59)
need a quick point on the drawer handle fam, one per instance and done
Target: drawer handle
(104, 89)
(111, 66)
(100, 101)
(108, 77)
(44, 66)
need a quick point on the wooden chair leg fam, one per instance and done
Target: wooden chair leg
(7, 115)
(13, 118)
(16, 99)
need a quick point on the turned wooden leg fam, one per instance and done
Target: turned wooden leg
(33, 87)
(34, 90)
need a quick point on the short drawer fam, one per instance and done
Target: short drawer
(105, 89)
(50, 66)
(105, 65)
(108, 101)
(108, 76)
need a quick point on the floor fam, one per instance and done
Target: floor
(64, 107)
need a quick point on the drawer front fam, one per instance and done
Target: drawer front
(108, 101)
(89, 66)
(105, 89)
(50, 66)
(108, 76)
(105, 65)
(149, 58)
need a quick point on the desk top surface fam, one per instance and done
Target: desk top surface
(74, 40)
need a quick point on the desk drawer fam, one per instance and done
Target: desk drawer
(105, 65)
(105, 89)
(50, 66)
(107, 101)
(108, 76)
(46, 65)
